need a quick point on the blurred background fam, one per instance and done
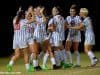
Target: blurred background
(8, 11)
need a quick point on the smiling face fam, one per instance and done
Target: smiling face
(37, 11)
(55, 11)
(30, 9)
(72, 12)
(83, 12)
(34, 11)
(28, 15)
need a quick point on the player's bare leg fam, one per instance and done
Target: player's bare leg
(13, 59)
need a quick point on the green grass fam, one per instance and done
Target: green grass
(19, 67)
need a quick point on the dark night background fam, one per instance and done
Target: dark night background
(8, 11)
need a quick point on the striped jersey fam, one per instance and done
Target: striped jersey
(55, 38)
(89, 34)
(59, 21)
(40, 29)
(88, 25)
(21, 30)
(73, 21)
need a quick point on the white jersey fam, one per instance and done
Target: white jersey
(40, 29)
(59, 21)
(31, 28)
(21, 35)
(73, 35)
(55, 39)
(89, 34)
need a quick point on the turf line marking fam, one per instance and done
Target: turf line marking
(11, 73)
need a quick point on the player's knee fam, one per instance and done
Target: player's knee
(67, 46)
(35, 55)
(86, 51)
(17, 55)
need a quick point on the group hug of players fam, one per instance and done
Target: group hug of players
(37, 36)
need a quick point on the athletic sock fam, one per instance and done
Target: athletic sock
(91, 56)
(69, 56)
(77, 55)
(45, 58)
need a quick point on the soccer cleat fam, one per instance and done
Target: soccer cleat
(38, 68)
(66, 66)
(56, 67)
(31, 69)
(70, 64)
(96, 60)
(45, 67)
(92, 65)
(9, 68)
(62, 64)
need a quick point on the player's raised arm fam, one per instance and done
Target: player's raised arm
(42, 14)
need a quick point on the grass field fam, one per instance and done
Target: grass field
(19, 68)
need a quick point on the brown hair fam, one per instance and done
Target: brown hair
(74, 6)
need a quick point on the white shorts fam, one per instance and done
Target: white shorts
(75, 38)
(62, 36)
(22, 43)
(89, 39)
(39, 40)
(56, 44)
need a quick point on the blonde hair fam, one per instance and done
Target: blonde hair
(85, 11)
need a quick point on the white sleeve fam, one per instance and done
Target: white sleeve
(86, 23)
(68, 19)
(50, 22)
(79, 19)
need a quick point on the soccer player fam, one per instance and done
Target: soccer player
(58, 22)
(20, 40)
(35, 47)
(89, 35)
(52, 43)
(74, 36)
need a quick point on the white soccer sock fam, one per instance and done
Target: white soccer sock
(35, 63)
(63, 55)
(91, 56)
(77, 54)
(27, 66)
(57, 57)
(41, 55)
(11, 62)
(69, 56)
(45, 58)
(31, 58)
(53, 61)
